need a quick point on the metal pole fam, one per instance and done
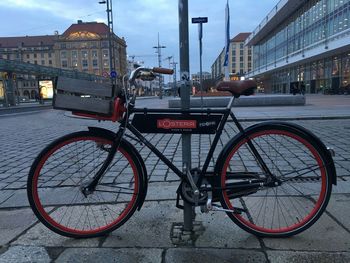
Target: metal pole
(159, 48)
(111, 44)
(200, 25)
(185, 99)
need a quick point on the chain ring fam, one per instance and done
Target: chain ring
(188, 196)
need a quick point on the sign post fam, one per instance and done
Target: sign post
(185, 100)
(200, 21)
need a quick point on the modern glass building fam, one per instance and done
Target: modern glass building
(303, 46)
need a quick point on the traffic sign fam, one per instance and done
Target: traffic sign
(105, 74)
(113, 74)
(197, 20)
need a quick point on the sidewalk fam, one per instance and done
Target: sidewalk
(146, 237)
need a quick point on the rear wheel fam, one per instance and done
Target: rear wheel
(60, 172)
(298, 163)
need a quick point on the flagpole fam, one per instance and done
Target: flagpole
(227, 41)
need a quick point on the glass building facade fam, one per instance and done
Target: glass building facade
(308, 51)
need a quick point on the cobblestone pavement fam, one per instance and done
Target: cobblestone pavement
(23, 239)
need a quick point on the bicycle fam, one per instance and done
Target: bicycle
(273, 179)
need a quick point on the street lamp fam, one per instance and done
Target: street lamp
(159, 48)
(110, 42)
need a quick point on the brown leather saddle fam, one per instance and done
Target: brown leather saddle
(237, 87)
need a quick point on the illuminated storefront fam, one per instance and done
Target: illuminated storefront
(2, 90)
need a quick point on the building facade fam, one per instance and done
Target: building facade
(84, 47)
(240, 59)
(303, 46)
(205, 75)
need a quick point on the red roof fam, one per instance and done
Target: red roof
(27, 41)
(241, 37)
(93, 27)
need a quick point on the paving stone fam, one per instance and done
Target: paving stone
(110, 255)
(220, 231)
(13, 223)
(18, 199)
(39, 235)
(150, 227)
(339, 207)
(210, 255)
(5, 194)
(18, 254)
(307, 257)
(162, 191)
(324, 235)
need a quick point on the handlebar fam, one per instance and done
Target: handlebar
(163, 71)
(135, 74)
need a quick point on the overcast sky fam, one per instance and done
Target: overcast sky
(139, 22)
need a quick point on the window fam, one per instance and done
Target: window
(63, 54)
(105, 63)
(85, 63)
(94, 53)
(84, 53)
(64, 64)
(74, 54)
(63, 45)
(50, 62)
(42, 55)
(28, 56)
(74, 63)
(35, 55)
(50, 55)
(43, 62)
(95, 63)
(105, 53)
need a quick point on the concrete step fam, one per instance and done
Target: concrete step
(258, 100)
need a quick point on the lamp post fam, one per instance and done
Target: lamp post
(159, 48)
(110, 42)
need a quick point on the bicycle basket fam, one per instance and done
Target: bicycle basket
(83, 96)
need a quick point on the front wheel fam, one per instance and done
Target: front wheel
(62, 170)
(300, 167)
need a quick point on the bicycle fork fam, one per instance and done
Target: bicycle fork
(90, 186)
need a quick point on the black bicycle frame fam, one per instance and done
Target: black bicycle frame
(225, 113)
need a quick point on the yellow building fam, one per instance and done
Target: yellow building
(240, 59)
(85, 47)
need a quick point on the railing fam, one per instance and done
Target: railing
(33, 69)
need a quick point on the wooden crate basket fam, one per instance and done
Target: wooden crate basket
(83, 96)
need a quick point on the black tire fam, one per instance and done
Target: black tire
(59, 171)
(294, 157)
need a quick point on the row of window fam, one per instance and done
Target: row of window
(314, 22)
(84, 63)
(90, 44)
(83, 53)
